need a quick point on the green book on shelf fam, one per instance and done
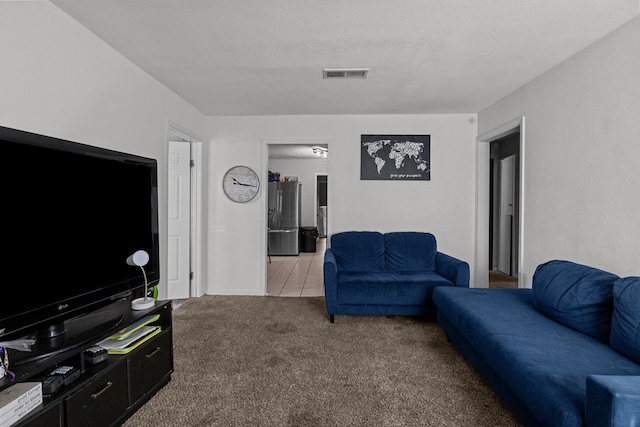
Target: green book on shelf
(125, 332)
(135, 344)
(123, 346)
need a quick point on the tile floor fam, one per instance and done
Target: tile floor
(297, 276)
(301, 276)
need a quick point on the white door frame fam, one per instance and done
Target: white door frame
(175, 131)
(264, 179)
(481, 274)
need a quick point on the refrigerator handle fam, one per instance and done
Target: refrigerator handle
(280, 207)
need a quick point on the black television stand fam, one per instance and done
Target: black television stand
(106, 393)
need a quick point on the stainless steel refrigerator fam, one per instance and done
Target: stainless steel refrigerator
(284, 218)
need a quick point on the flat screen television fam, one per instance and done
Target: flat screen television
(72, 214)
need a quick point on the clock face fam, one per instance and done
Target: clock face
(241, 184)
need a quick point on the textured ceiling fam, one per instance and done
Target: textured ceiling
(265, 57)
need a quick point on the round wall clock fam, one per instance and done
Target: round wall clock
(241, 184)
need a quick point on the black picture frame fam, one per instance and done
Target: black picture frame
(395, 157)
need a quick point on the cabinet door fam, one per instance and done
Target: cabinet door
(102, 401)
(47, 418)
(150, 364)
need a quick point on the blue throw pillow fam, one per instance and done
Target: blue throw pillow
(625, 326)
(576, 295)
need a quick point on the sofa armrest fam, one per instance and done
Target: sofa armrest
(452, 269)
(613, 401)
(330, 277)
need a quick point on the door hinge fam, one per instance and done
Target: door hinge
(191, 275)
(192, 163)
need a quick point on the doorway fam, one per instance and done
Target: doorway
(490, 151)
(184, 219)
(301, 161)
(504, 208)
(321, 205)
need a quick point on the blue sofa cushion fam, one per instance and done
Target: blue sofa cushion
(358, 250)
(410, 251)
(388, 288)
(575, 295)
(625, 326)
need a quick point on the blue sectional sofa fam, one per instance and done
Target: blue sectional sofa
(564, 353)
(367, 272)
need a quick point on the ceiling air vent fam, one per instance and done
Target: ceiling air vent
(345, 73)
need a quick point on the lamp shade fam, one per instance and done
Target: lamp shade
(139, 258)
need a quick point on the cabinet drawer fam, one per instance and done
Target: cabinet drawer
(101, 402)
(149, 364)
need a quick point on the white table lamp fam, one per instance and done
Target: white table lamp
(141, 258)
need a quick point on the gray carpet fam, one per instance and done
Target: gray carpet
(267, 361)
(498, 279)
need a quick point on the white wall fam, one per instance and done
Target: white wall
(444, 206)
(582, 156)
(59, 79)
(306, 171)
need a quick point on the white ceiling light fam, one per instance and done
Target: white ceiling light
(320, 151)
(345, 73)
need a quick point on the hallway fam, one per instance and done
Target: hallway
(297, 276)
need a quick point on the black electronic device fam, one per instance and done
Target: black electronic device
(76, 213)
(68, 373)
(95, 354)
(52, 384)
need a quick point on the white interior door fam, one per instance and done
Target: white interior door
(179, 217)
(507, 197)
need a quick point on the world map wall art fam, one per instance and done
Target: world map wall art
(395, 157)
